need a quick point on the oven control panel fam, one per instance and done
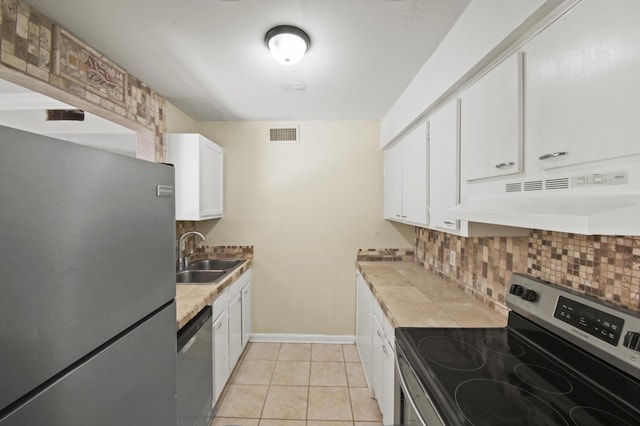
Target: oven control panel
(610, 332)
(605, 327)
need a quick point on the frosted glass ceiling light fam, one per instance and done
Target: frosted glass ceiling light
(287, 43)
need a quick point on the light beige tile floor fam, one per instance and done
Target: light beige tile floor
(298, 384)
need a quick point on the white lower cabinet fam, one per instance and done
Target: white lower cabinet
(246, 314)
(231, 329)
(364, 327)
(221, 368)
(376, 345)
(235, 329)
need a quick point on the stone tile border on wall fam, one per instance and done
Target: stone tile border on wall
(41, 56)
(606, 267)
(406, 255)
(195, 251)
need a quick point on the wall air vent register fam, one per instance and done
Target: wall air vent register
(284, 134)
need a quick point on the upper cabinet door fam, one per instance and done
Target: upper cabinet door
(583, 95)
(415, 192)
(393, 182)
(443, 166)
(199, 176)
(211, 196)
(491, 123)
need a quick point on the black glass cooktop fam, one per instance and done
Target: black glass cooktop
(491, 377)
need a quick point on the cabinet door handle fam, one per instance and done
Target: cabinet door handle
(384, 348)
(553, 155)
(379, 334)
(448, 222)
(398, 215)
(505, 165)
(218, 325)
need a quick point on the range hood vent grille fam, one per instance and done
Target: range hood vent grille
(284, 135)
(534, 185)
(562, 183)
(514, 187)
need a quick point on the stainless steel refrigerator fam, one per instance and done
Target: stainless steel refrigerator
(87, 286)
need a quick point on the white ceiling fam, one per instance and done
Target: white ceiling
(208, 57)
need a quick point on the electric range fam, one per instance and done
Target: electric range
(563, 359)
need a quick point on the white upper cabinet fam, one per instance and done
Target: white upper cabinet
(582, 89)
(491, 123)
(393, 182)
(199, 176)
(406, 178)
(444, 167)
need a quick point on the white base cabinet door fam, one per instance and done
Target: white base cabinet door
(246, 314)
(364, 327)
(235, 330)
(221, 369)
(375, 341)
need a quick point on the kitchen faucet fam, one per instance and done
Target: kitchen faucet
(182, 261)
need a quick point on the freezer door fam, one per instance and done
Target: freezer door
(130, 382)
(87, 249)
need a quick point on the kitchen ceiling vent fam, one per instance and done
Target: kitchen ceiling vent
(284, 135)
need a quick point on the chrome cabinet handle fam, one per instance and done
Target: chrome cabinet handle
(384, 348)
(448, 222)
(553, 155)
(398, 215)
(505, 165)
(218, 325)
(379, 334)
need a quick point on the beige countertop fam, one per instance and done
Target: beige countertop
(412, 296)
(191, 298)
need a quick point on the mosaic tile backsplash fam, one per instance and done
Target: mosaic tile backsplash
(195, 250)
(406, 255)
(607, 267)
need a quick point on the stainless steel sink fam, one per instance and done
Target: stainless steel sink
(215, 264)
(207, 271)
(199, 277)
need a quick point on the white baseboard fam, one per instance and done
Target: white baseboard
(303, 338)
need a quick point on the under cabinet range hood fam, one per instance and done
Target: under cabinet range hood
(585, 200)
(588, 215)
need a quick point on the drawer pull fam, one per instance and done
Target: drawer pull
(505, 165)
(448, 222)
(553, 155)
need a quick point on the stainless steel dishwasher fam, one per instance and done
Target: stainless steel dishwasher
(195, 371)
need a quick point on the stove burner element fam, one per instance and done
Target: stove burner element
(451, 353)
(503, 346)
(587, 416)
(477, 398)
(543, 379)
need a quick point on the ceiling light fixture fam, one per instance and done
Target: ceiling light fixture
(287, 43)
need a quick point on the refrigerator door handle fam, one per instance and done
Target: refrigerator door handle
(164, 191)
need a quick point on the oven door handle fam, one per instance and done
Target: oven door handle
(403, 385)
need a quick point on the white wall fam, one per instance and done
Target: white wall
(178, 121)
(306, 208)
